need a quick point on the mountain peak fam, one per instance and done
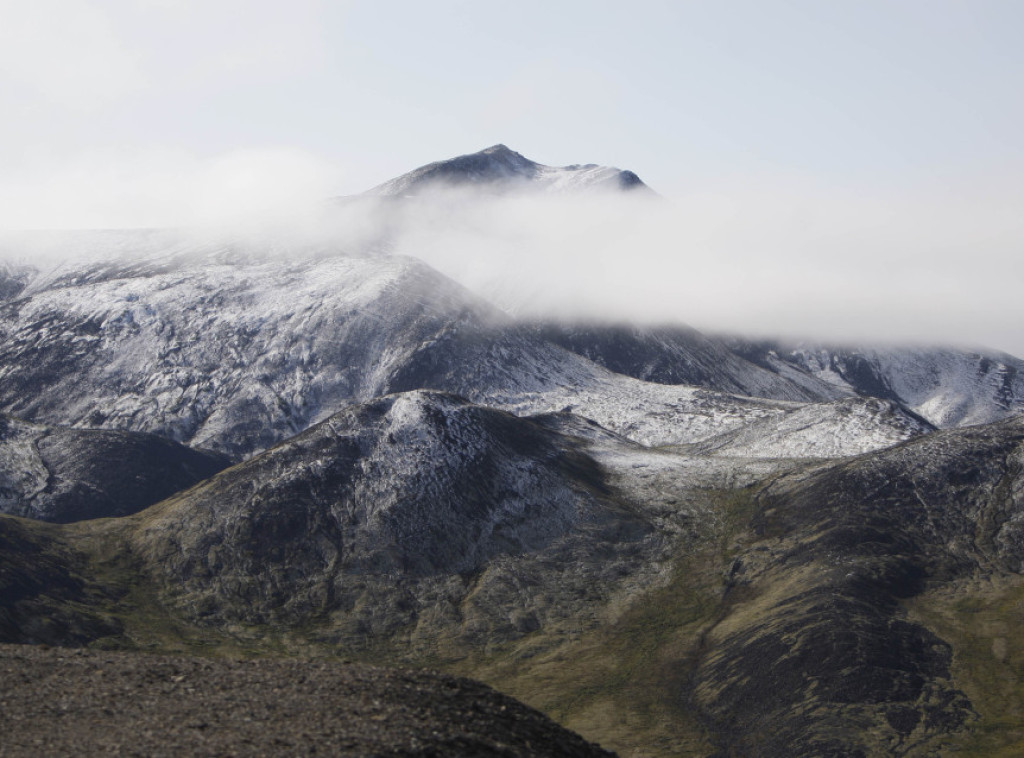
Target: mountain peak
(498, 168)
(498, 149)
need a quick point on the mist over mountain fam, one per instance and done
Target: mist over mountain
(822, 263)
(672, 541)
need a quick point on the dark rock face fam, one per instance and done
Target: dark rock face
(628, 180)
(64, 475)
(482, 360)
(195, 706)
(494, 164)
(831, 670)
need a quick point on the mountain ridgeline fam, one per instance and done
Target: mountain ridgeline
(673, 543)
(499, 169)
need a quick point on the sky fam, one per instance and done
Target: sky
(807, 149)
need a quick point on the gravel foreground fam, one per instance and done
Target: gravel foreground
(63, 702)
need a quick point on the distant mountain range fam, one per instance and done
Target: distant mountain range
(673, 542)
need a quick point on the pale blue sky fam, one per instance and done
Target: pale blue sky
(824, 146)
(684, 93)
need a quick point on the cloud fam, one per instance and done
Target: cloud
(152, 187)
(546, 91)
(766, 256)
(67, 54)
(85, 55)
(773, 257)
(210, 43)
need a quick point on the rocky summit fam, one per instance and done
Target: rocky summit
(674, 543)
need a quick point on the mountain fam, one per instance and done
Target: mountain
(659, 415)
(826, 430)
(235, 350)
(195, 341)
(754, 605)
(949, 387)
(830, 600)
(408, 520)
(62, 475)
(418, 485)
(424, 488)
(428, 490)
(674, 543)
(217, 349)
(499, 169)
(681, 355)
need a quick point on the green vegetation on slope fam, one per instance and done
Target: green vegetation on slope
(626, 684)
(983, 619)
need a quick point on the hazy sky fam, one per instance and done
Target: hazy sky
(820, 137)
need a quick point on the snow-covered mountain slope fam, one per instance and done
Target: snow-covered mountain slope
(664, 479)
(235, 353)
(657, 415)
(63, 475)
(220, 349)
(824, 430)
(498, 168)
(379, 510)
(420, 516)
(231, 355)
(946, 386)
(514, 369)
